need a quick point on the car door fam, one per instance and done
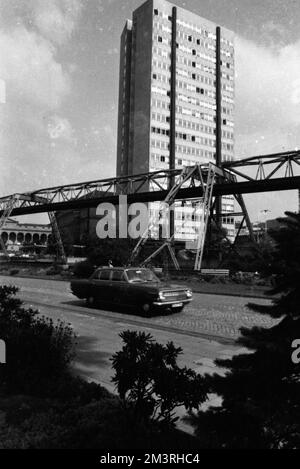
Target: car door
(118, 287)
(100, 285)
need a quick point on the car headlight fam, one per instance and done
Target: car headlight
(161, 296)
(189, 293)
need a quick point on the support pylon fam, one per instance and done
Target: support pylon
(185, 175)
(57, 237)
(10, 205)
(205, 215)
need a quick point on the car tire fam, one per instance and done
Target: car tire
(178, 310)
(146, 310)
(90, 301)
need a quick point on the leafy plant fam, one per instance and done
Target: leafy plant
(39, 351)
(150, 382)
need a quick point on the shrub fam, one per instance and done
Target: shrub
(83, 269)
(14, 272)
(39, 351)
(150, 382)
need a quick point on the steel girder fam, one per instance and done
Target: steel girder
(271, 172)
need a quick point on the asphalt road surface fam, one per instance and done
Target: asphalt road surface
(205, 330)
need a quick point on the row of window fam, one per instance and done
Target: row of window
(186, 50)
(188, 74)
(157, 159)
(183, 149)
(195, 101)
(201, 30)
(200, 66)
(159, 104)
(195, 113)
(185, 136)
(187, 124)
(228, 221)
(207, 44)
(185, 85)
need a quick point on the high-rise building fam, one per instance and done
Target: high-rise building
(168, 98)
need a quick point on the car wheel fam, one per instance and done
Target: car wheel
(146, 309)
(178, 310)
(90, 301)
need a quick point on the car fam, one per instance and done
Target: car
(132, 287)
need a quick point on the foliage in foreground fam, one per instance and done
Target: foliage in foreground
(43, 405)
(150, 382)
(261, 390)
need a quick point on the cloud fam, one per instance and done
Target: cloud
(36, 139)
(267, 94)
(30, 70)
(60, 128)
(56, 20)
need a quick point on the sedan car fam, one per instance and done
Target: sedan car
(132, 287)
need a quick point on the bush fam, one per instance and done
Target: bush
(41, 424)
(39, 351)
(14, 272)
(83, 269)
(150, 382)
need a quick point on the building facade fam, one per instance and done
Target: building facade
(16, 235)
(168, 83)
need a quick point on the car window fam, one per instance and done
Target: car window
(141, 276)
(104, 274)
(118, 275)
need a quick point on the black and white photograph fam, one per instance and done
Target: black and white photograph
(149, 230)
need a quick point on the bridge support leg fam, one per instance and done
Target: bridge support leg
(57, 237)
(8, 208)
(207, 203)
(185, 176)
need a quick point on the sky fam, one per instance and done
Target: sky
(59, 67)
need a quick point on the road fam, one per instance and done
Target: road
(205, 330)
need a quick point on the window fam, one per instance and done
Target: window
(194, 64)
(162, 159)
(159, 38)
(104, 274)
(194, 52)
(118, 275)
(156, 12)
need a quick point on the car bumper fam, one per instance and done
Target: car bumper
(170, 303)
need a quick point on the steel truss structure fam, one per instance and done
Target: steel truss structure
(10, 203)
(264, 173)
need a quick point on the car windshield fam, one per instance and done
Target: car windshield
(141, 276)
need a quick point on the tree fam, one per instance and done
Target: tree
(261, 390)
(150, 382)
(117, 250)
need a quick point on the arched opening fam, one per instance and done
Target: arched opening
(13, 237)
(44, 238)
(36, 238)
(28, 238)
(20, 237)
